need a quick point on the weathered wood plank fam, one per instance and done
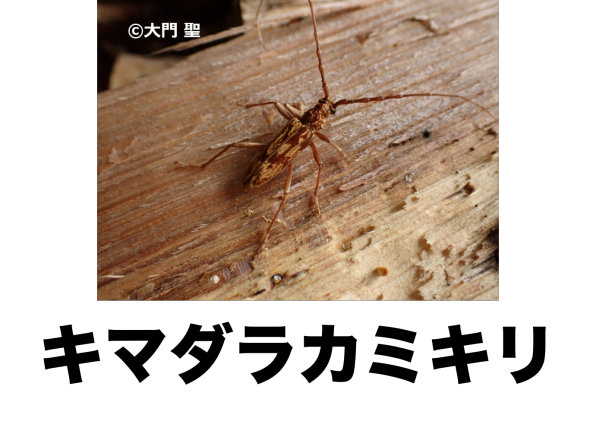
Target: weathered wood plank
(164, 232)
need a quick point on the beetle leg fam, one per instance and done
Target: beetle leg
(318, 160)
(286, 110)
(260, 103)
(295, 112)
(300, 106)
(327, 140)
(245, 144)
(283, 198)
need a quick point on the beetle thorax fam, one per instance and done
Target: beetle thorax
(316, 117)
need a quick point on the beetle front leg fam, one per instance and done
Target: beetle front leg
(284, 111)
(289, 111)
(296, 112)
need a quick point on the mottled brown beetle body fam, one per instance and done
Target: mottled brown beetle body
(294, 138)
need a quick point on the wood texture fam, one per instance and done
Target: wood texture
(128, 68)
(166, 232)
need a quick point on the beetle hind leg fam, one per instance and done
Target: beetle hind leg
(318, 160)
(244, 144)
(283, 199)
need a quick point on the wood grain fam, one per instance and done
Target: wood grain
(165, 232)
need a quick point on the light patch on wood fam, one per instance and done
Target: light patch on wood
(429, 24)
(129, 67)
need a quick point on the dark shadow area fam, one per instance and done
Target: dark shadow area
(114, 19)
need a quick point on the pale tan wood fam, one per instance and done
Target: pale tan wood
(164, 232)
(129, 67)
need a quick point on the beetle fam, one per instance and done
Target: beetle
(299, 133)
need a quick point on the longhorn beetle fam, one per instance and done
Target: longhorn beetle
(299, 132)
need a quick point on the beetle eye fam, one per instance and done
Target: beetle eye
(332, 109)
(322, 101)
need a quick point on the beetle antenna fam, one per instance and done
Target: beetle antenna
(259, 26)
(319, 53)
(409, 95)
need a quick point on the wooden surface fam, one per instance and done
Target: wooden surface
(128, 68)
(165, 232)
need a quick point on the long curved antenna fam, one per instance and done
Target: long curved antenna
(409, 95)
(259, 26)
(319, 54)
